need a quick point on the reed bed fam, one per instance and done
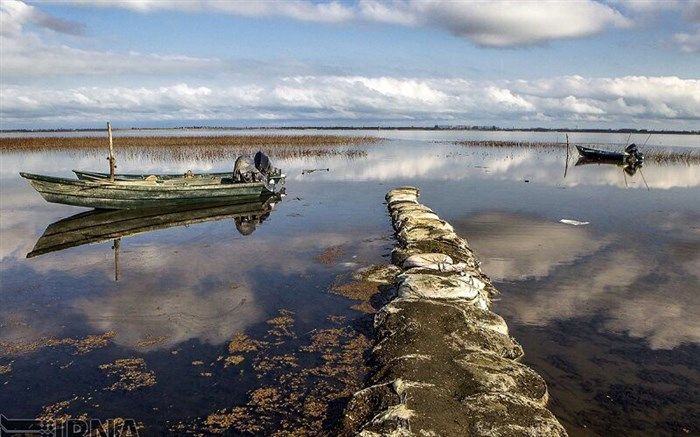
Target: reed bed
(665, 156)
(201, 147)
(509, 144)
(651, 154)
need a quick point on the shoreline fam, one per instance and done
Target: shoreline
(371, 128)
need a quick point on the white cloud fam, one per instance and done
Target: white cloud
(498, 23)
(688, 42)
(648, 6)
(692, 11)
(26, 54)
(30, 56)
(507, 23)
(325, 12)
(367, 98)
(14, 15)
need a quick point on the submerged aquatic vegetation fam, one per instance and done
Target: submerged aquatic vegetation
(56, 412)
(282, 324)
(331, 255)
(357, 290)
(131, 373)
(201, 147)
(149, 341)
(367, 284)
(80, 345)
(311, 383)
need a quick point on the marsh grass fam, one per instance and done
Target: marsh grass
(509, 144)
(200, 147)
(651, 154)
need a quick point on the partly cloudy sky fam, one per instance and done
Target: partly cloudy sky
(585, 63)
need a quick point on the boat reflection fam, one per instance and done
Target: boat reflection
(102, 225)
(629, 168)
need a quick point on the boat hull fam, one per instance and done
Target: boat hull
(141, 194)
(601, 155)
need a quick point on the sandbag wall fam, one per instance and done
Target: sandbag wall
(444, 363)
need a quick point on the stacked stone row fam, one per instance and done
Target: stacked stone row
(444, 363)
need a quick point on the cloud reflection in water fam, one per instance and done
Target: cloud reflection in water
(563, 272)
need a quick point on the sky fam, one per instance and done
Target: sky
(167, 63)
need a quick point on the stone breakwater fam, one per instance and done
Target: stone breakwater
(444, 364)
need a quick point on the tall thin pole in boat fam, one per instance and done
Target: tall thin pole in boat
(112, 163)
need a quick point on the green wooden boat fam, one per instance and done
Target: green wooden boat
(102, 225)
(147, 192)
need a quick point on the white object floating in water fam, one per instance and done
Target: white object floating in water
(573, 222)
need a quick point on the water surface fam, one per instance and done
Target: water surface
(608, 312)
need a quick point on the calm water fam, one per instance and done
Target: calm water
(608, 313)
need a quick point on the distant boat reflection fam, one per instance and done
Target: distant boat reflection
(630, 169)
(102, 225)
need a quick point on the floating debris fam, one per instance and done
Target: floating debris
(312, 170)
(573, 222)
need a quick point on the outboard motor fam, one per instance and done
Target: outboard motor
(262, 163)
(634, 157)
(244, 171)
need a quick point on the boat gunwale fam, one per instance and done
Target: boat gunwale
(138, 185)
(93, 175)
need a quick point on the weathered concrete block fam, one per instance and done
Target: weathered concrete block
(442, 286)
(419, 233)
(429, 328)
(466, 375)
(503, 414)
(402, 191)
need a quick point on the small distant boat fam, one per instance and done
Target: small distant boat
(629, 157)
(630, 161)
(600, 155)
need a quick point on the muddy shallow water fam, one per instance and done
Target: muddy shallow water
(236, 328)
